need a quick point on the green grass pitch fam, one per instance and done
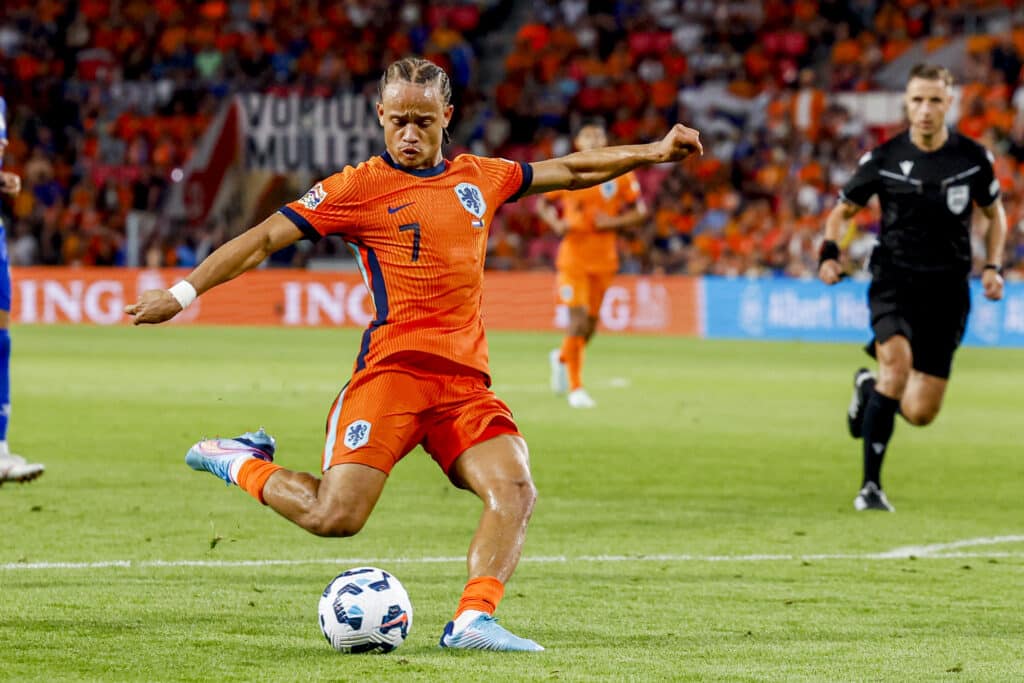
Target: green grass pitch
(697, 525)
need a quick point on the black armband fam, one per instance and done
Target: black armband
(829, 252)
(994, 266)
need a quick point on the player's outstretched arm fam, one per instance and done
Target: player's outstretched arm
(583, 169)
(244, 252)
(830, 271)
(995, 243)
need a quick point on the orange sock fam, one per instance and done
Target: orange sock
(253, 475)
(572, 356)
(482, 593)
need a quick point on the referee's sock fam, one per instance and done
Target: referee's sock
(878, 424)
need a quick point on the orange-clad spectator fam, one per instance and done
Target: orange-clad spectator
(999, 117)
(520, 59)
(846, 50)
(172, 38)
(548, 65)
(535, 35)
(663, 94)
(757, 63)
(213, 10)
(972, 123)
(620, 62)
(897, 44)
(805, 10)
(562, 39)
(812, 173)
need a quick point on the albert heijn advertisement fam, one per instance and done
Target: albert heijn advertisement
(807, 310)
(512, 301)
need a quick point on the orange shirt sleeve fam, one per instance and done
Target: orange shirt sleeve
(329, 207)
(509, 179)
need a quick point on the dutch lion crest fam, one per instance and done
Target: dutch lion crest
(471, 198)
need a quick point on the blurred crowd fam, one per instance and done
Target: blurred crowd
(764, 82)
(107, 98)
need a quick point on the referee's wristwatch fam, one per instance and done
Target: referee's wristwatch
(994, 266)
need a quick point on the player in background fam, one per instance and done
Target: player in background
(588, 258)
(927, 180)
(417, 224)
(12, 467)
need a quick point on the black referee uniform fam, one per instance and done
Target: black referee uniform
(922, 261)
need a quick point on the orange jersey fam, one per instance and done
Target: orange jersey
(419, 238)
(584, 248)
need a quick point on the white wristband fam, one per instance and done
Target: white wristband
(184, 293)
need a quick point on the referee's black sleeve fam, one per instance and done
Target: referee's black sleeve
(864, 183)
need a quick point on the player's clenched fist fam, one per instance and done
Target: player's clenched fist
(830, 271)
(153, 306)
(679, 143)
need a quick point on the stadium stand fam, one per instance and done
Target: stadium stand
(108, 98)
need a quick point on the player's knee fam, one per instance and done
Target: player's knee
(919, 415)
(336, 524)
(516, 497)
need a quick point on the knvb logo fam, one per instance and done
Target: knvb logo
(471, 198)
(357, 434)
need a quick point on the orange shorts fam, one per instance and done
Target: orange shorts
(584, 289)
(387, 410)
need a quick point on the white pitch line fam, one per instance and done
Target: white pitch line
(922, 550)
(937, 551)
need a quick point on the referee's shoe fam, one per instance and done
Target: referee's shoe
(872, 498)
(863, 383)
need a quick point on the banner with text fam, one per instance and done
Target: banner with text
(314, 135)
(512, 301)
(810, 311)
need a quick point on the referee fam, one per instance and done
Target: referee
(927, 180)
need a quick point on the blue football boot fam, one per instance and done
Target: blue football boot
(217, 455)
(484, 633)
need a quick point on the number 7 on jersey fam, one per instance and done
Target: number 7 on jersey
(415, 227)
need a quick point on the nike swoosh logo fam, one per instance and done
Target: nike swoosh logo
(396, 209)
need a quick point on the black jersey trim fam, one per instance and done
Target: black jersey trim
(418, 172)
(525, 185)
(301, 223)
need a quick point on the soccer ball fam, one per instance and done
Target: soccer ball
(365, 609)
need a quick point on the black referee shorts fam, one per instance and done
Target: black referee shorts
(930, 311)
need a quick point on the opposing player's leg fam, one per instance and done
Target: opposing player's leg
(498, 472)
(895, 361)
(12, 467)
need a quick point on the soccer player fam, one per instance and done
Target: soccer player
(12, 467)
(587, 258)
(417, 225)
(927, 180)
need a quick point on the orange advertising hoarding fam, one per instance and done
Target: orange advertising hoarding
(512, 301)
